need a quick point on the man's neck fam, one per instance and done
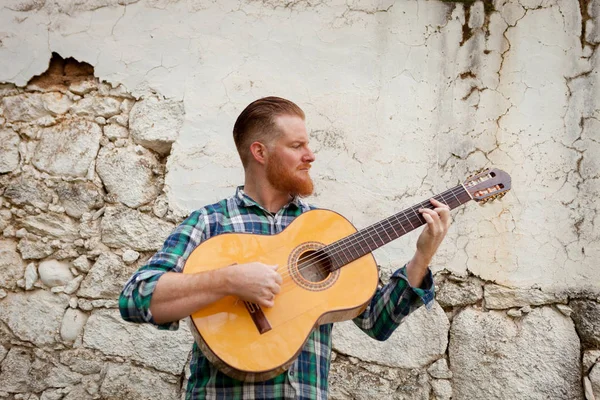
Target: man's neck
(266, 195)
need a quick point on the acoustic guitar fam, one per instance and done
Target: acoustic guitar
(329, 275)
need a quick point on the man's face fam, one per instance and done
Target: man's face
(289, 157)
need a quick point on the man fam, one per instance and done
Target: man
(271, 138)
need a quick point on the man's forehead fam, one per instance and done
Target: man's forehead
(291, 127)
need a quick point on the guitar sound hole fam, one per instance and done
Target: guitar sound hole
(314, 266)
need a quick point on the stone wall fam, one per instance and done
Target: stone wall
(99, 163)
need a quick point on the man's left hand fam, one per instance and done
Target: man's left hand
(438, 221)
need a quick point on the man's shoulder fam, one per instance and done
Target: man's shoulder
(219, 207)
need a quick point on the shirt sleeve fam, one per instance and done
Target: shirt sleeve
(134, 301)
(394, 302)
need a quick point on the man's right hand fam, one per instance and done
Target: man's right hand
(255, 282)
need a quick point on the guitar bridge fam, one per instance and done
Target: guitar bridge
(258, 317)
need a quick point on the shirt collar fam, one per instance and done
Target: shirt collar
(243, 200)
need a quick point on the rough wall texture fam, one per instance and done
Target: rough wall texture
(107, 146)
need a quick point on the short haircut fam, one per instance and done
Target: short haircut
(257, 123)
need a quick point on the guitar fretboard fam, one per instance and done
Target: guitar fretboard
(352, 247)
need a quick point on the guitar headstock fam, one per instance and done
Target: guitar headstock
(487, 184)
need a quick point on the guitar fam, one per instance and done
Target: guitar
(329, 275)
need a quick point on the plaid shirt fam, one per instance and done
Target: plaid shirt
(307, 377)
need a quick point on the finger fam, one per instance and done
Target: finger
(267, 303)
(278, 278)
(428, 218)
(431, 213)
(444, 214)
(275, 289)
(438, 203)
(433, 221)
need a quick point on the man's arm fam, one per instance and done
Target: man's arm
(160, 294)
(178, 295)
(411, 286)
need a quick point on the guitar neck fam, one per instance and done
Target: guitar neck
(352, 247)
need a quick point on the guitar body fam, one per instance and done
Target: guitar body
(311, 294)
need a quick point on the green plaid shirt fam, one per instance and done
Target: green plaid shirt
(307, 377)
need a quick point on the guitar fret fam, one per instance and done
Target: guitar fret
(386, 232)
(408, 219)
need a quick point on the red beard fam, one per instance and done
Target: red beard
(287, 181)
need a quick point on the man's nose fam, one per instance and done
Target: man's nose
(309, 156)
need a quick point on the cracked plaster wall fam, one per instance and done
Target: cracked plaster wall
(403, 99)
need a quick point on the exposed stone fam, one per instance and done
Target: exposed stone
(440, 370)
(84, 86)
(594, 378)
(128, 382)
(421, 339)
(72, 324)
(453, 293)
(499, 358)
(129, 175)
(122, 120)
(514, 313)
(82, 361)
(5, 217)
(161, 206)
(106, 277)
(586, 314)
(53, 394)
(107, 332)
(55, 273)
(27, 371)
(9, 150)
(363, 381)
(20, 309)
(34, 249)
(93, 106)
(82, 264)
(155, 123)
(72, 286)
(16, 368)
(3, 293)
(590, 357)
(114, 131)
(26, 190)
(442, 389)
(52, 225)
(105, 303)
(500, 297)
(566, 310)
(56, 103)
(122, 227)
(31, 276)
(12, 267)
(130, 256)
(25, 107)
(588, 389)
(79, 197)
(68, 148)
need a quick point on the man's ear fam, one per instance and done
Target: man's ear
(259, 152)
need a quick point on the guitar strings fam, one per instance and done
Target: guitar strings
(289, 285)
(401, 217)
(342, 245)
